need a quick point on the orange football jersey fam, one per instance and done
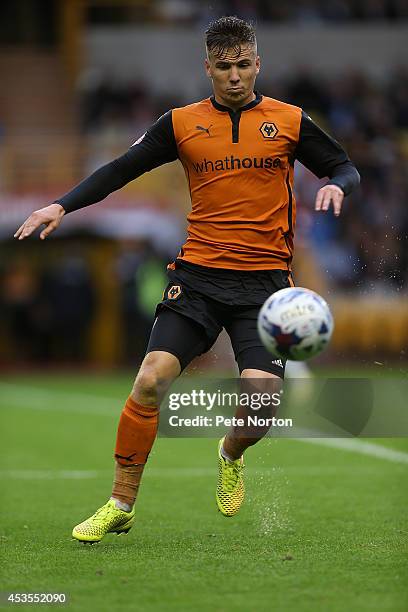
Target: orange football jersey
(239, 168)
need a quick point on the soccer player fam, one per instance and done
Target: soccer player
(238, 150)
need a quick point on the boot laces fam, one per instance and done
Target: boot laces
(101, 514)
(231, 475)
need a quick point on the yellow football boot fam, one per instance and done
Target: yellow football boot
(230, 486)
(107, 519)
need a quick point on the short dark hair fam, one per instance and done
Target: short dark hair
(229, 33)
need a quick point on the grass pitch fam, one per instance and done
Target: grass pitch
(321, 528)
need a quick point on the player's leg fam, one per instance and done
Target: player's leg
(239, 438)
(260, 373)
(138, 423)
(175, 340)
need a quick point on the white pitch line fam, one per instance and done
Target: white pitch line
(48, 474)
(203, 472)
(89, 474)
(84, 474)
(83, 403)
(359, 446)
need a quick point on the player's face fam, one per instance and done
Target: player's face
(233, 76)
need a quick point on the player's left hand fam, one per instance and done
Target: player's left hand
(327, 194)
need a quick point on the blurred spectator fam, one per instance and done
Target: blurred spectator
(336, 10)
(307, 12)
(305, 90)
(178, 11)
(304, 12)
(65, 308)
(19, 293)
(141, 276)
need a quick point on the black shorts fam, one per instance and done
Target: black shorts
(199, 302)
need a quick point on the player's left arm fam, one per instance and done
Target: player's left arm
(324, 156)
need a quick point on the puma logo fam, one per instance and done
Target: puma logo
(204, 129)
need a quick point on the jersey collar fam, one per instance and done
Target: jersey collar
(226, 109)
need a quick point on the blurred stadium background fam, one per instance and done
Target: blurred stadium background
(81, 80)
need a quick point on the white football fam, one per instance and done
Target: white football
(295, 323)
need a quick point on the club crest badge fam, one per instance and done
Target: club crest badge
(268, 130)
(174, 292)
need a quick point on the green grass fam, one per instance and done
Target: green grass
(322, 529)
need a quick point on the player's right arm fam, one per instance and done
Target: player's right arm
(153, 149)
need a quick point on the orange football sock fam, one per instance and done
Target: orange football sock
(126, 484)
(136, 433)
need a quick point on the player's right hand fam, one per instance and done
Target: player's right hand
(50, 216)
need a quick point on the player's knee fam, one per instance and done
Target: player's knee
(152, 381)
(145, 388)
(147, 380)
